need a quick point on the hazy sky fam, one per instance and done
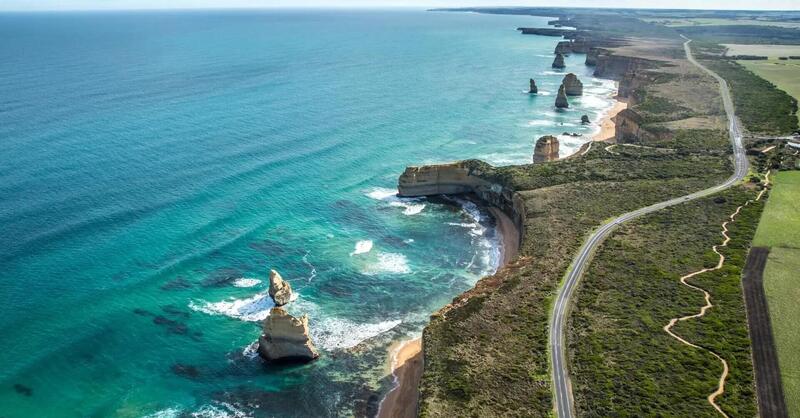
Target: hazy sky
(172, 4)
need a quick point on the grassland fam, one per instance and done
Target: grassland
(784, 74)
(711, 21)
(771, 51)
(780, 230)
(762, 108)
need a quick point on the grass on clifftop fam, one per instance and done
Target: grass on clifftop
(622, 362)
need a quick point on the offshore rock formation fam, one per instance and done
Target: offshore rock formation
(546, 149)
(286, 339)
(627, 125)
(279, 290)
(563, 47)
(572, 86)
(561, 98)
(585, 120)
(559, 61)
(533, 89)
(591, 56)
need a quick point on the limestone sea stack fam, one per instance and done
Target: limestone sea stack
(286, 339)
(561, 98)
(533, 89)
(559, 61)
(279, 290)
(546, 149)
(572, 86)
(585, 120)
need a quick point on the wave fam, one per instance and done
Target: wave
(338, 333)
(218, 410)
(246, 282)
(388, 263)
(485, 240)
(411, 205)
(254, 308)
(362, 247)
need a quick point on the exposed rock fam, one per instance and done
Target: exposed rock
(561, 98)
(591, 56)
(585, 120)
(279, 290)
(559, 61)
(627, 126)
(563, 47)
(533, 89)
(546, 149)
(572, 86)
(286, 338)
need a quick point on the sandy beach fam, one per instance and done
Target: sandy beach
(607, 130)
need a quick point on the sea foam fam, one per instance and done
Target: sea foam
(410, 205)
(362, 247)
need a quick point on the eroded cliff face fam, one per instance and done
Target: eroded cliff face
(616, 66)
(628, 129)
(463, 177)
(286, 338)
(546, 149)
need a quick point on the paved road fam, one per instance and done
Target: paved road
(561, 383)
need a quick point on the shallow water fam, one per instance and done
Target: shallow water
(154, 166)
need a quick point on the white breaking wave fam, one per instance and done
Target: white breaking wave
(337, 333)
(410, 205)
(362, 247)
(221, 410)
(251, 351)
(254, 308)
(246, 282)
(388, 263)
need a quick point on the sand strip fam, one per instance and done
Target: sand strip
(607, 125)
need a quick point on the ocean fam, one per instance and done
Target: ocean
(155, 165)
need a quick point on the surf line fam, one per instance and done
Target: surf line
(668, 328)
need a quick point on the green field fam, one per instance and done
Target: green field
(780, 229)
(772, 51)
(710, 21)
(784, 74)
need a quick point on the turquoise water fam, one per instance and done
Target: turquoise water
(154, 166)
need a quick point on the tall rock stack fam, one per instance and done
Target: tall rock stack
(561, 98)
(533, 89)
(285, 338)
(572, 86)
(559, 61)
(546, 149)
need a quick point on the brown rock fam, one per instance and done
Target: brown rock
(561, 98)
(572, 86)
(546, 149)
(559, 61)
(533, 89)
(286, 338)
(627, 126)
(279, 290)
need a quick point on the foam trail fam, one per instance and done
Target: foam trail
(388, 263)
(246, 282)
(410, 205)
(362, 247)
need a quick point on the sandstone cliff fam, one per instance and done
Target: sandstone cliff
(471, 176)
(572, 86)
(627, 124)
(546, 149)
(561, 98)
(286, 339)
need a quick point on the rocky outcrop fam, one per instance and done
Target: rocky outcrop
(464, 177)
(591, 56)
(563, 47)
(559, 61)
(572, 86)
(585, 120)
(546, 149)
(279, 290)
(616, 66)
(533, 88)
(545, 31)
(561, 98)
(628, 127)
(286, 339)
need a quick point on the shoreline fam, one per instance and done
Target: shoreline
(406, 364)
(406, 357)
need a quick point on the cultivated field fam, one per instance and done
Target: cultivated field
(784, 74)
(772, 51)
(780, 229)
(710, 21)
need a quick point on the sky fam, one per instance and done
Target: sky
(38, 5)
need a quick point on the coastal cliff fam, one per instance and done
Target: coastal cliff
(463, 177)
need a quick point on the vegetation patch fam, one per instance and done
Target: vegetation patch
(761, 106)
(622, 361)
(785, 75)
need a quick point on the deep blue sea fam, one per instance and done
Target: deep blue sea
(155, 165)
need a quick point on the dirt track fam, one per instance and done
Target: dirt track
(771, 403)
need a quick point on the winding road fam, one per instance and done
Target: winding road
(564, 402)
